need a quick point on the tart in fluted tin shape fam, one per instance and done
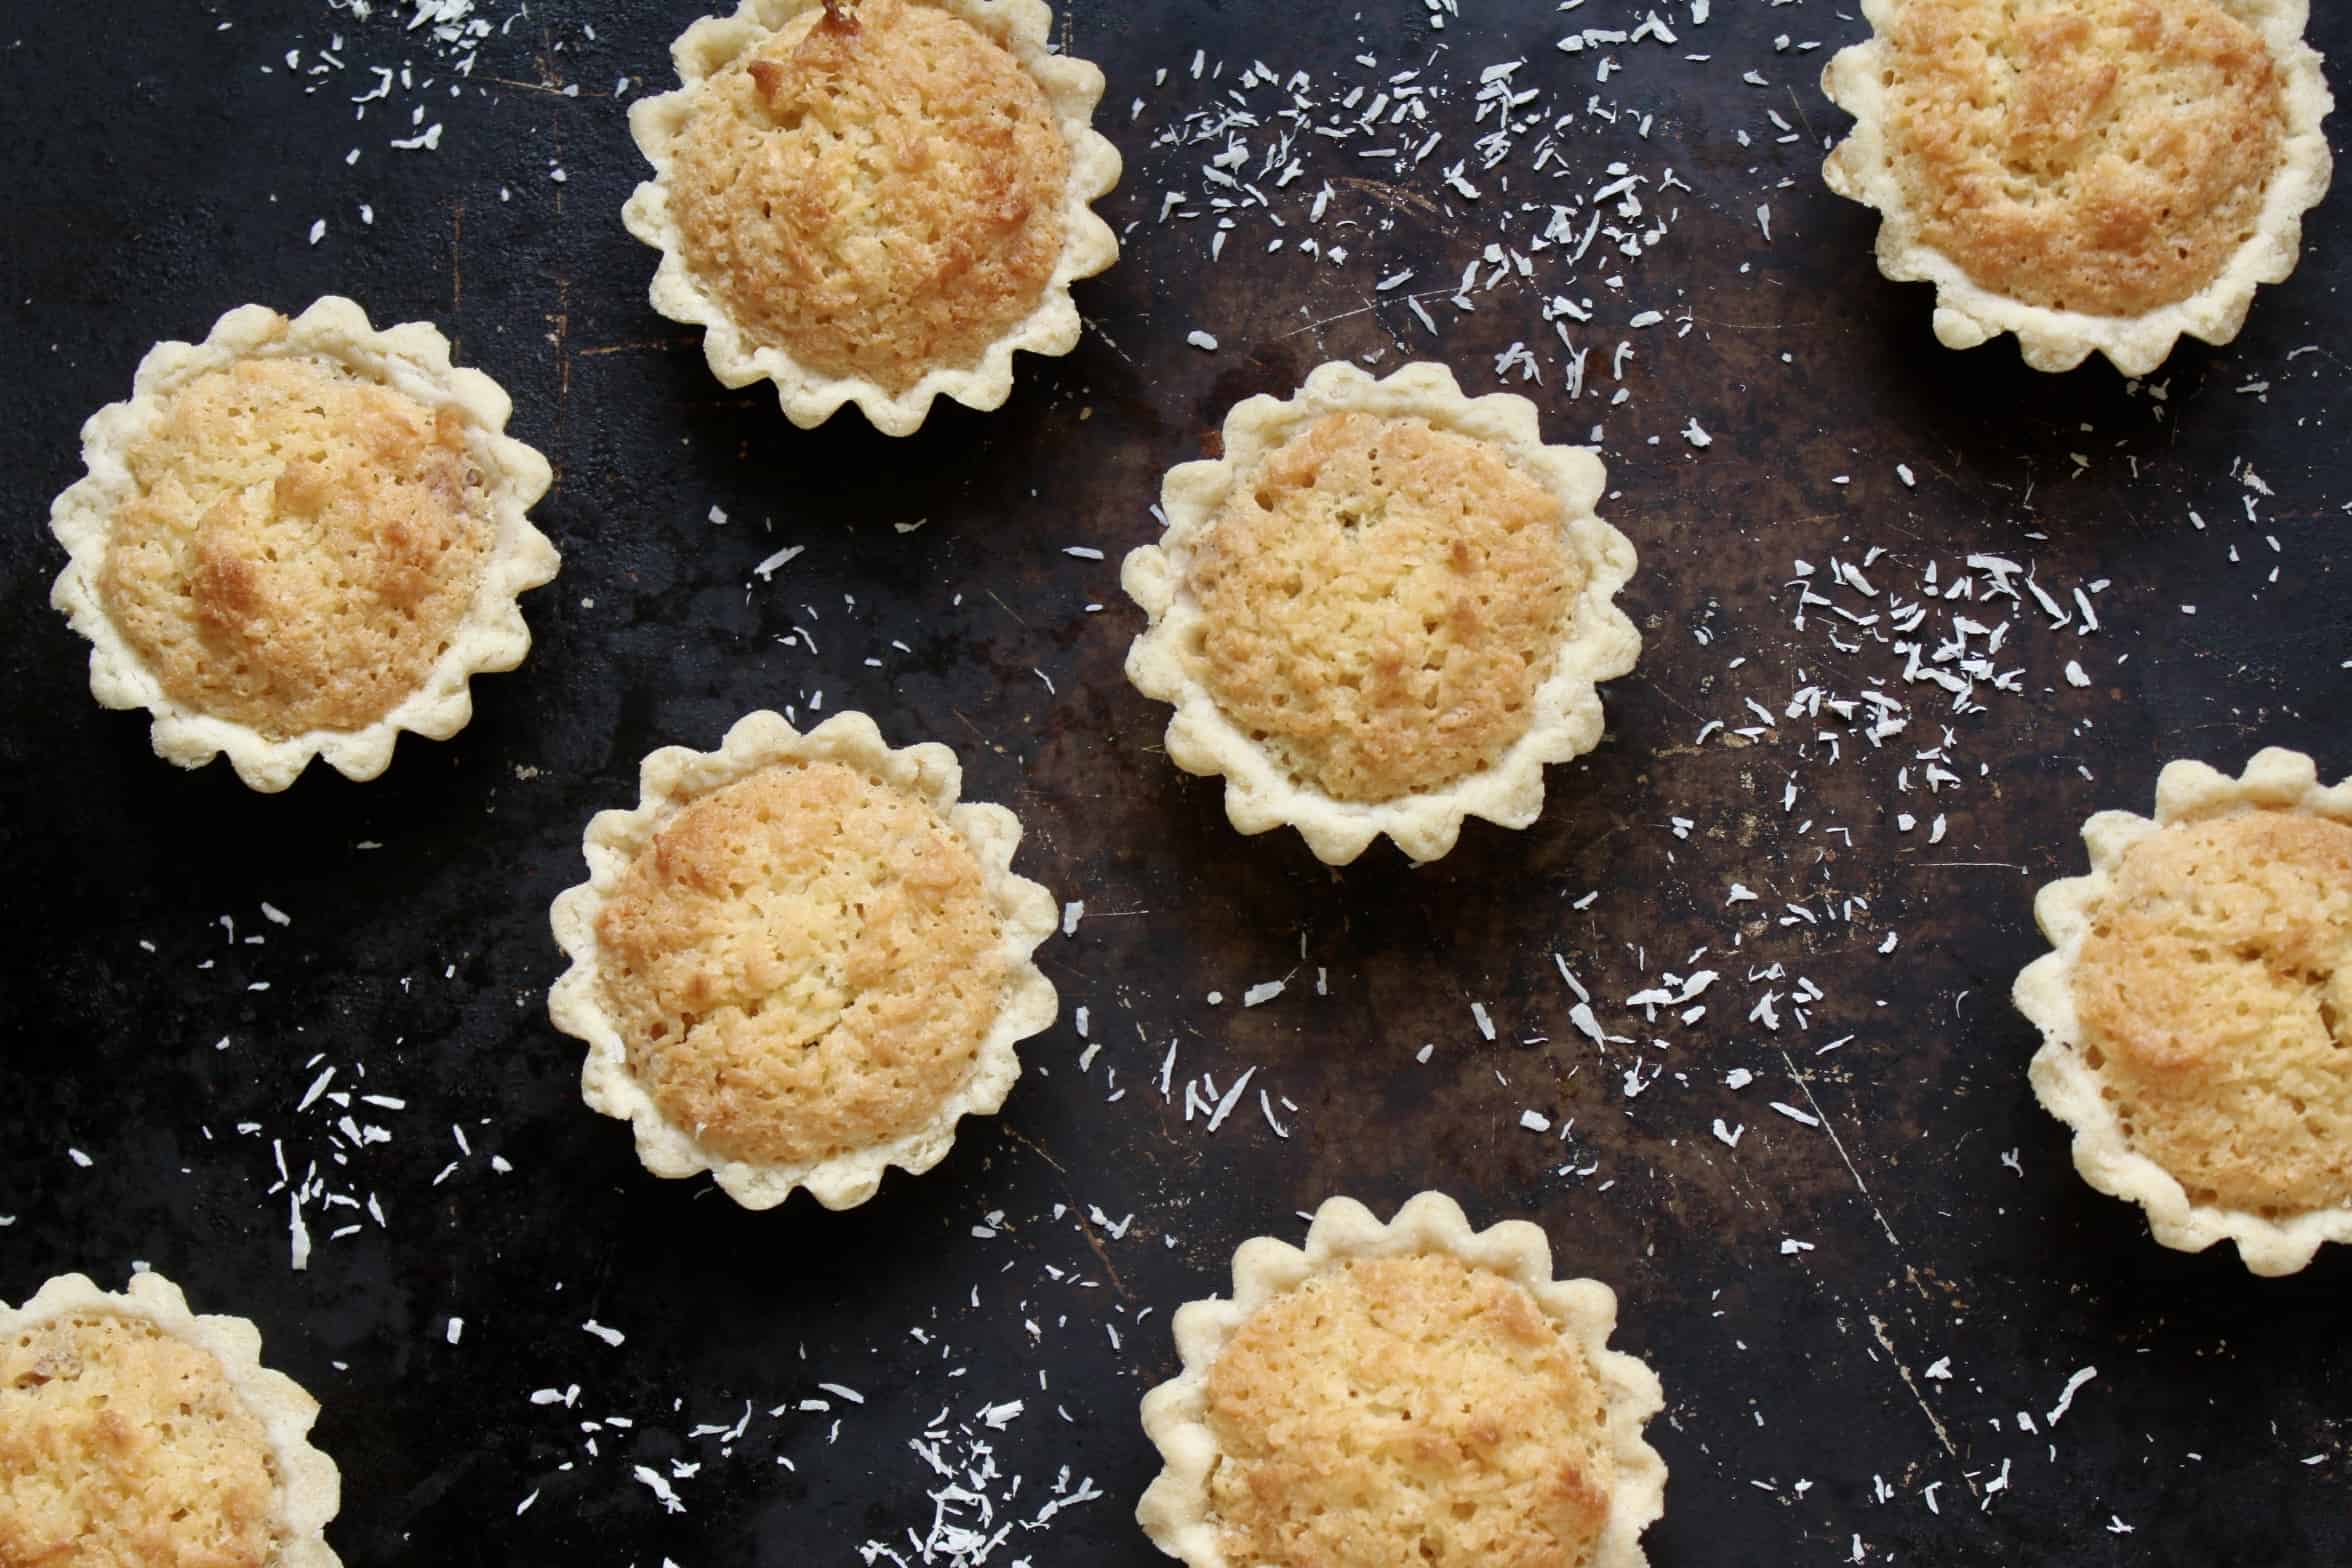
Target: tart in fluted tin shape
(2196, 1015)
(1383, 609)
(135, 1434)
(874, 201)
(2091, 175)
(300, 538)
(800, 960)
(1408, 1392)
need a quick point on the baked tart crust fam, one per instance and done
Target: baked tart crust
(305, 1487)
(197, 479)
(791, 999)
(1477, 633)
(727, 62)
(1612, 1493)
(2184, 916)
(2100, 199)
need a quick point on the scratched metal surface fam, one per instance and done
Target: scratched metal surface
(163, 177)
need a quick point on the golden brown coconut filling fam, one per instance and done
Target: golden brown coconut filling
(301, 547)
(123, 1447)
(2214, 993)
(803, 964)
(2102, 156)
(1407, 1410)
(1380, 600)
(878, 189)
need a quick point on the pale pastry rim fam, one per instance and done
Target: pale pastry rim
(1175, 1510)
(412, 359)
(310, 1488)
(2069, 1088)
(675, 776)
(1072, 88)
(1565, 719)
(1967, 314)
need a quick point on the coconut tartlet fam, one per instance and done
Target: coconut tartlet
(2091, 175)
(2196, 1015)
(1408, 1392)
(300, 538)
(874, 201)
(1382, 610)
(135, 1434)
(800, 961)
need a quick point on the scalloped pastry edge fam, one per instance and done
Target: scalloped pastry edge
(1175, 1510)
(413, 359)
(1967, 314)
(669, 780)
(1565, 717)
(310, 1488)
(1073, 87)
(2067, 1085)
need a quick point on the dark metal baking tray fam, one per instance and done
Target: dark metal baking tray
(171, 164)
